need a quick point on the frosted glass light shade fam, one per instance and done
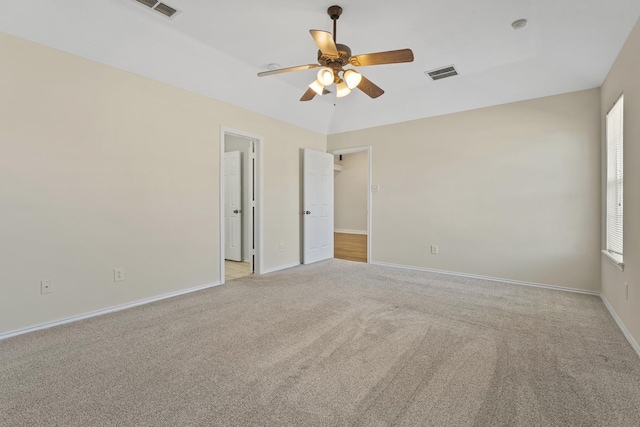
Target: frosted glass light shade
(352, 78)
(325, 76)
(317, 87)
(342, 89)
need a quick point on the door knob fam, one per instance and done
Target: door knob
(306, 212)
(237, 211)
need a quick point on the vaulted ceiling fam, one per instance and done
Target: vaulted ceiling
(216, 48)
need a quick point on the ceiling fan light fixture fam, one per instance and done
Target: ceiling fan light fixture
(317, 87)
(352, 78)
(342, 89)
(332, 58)
(325, 76)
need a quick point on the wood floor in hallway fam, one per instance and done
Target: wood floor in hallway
(352, 247)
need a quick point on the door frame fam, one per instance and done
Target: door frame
(258, 196)
(369, 151)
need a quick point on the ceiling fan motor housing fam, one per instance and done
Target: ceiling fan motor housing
(344, 53)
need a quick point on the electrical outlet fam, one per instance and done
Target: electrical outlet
(46, 287)
(434, 249)
(281, 247)
(118, 274)
(626, 290)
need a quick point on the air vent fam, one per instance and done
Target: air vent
(162, 8)
(165, 10)
(149, 3)
(442, 73)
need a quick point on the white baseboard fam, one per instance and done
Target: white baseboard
(344, 230)
(623, 328)
(280, 267)
(493, 279)
(104, 311)
(121, 307)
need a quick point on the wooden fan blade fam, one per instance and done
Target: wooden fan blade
(379, 58)
(370, 88)
(325, 43)
(286, 70)
(308, 95)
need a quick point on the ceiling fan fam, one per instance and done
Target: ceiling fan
(334, 57)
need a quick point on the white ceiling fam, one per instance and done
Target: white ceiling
(215, 48)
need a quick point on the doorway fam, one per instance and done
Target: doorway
(352, 200)
(240, 204)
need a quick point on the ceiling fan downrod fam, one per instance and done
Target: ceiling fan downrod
(334, 12)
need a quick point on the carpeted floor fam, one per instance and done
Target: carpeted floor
(334, 343)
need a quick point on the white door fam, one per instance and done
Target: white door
(232, 206)
(317, 211)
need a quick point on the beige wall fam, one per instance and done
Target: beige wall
(100, 168)
(350, 195)
(510, 191)
(624, 78)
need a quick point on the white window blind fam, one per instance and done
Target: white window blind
(615, 177)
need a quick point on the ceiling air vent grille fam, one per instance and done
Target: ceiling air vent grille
(165, 10)
(442, 73)
(149, 3)
(159, 7)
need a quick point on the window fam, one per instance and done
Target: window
(615, 175)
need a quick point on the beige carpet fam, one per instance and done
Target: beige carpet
(335, 343)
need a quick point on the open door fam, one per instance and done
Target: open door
(233, 206)
(317, 211)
